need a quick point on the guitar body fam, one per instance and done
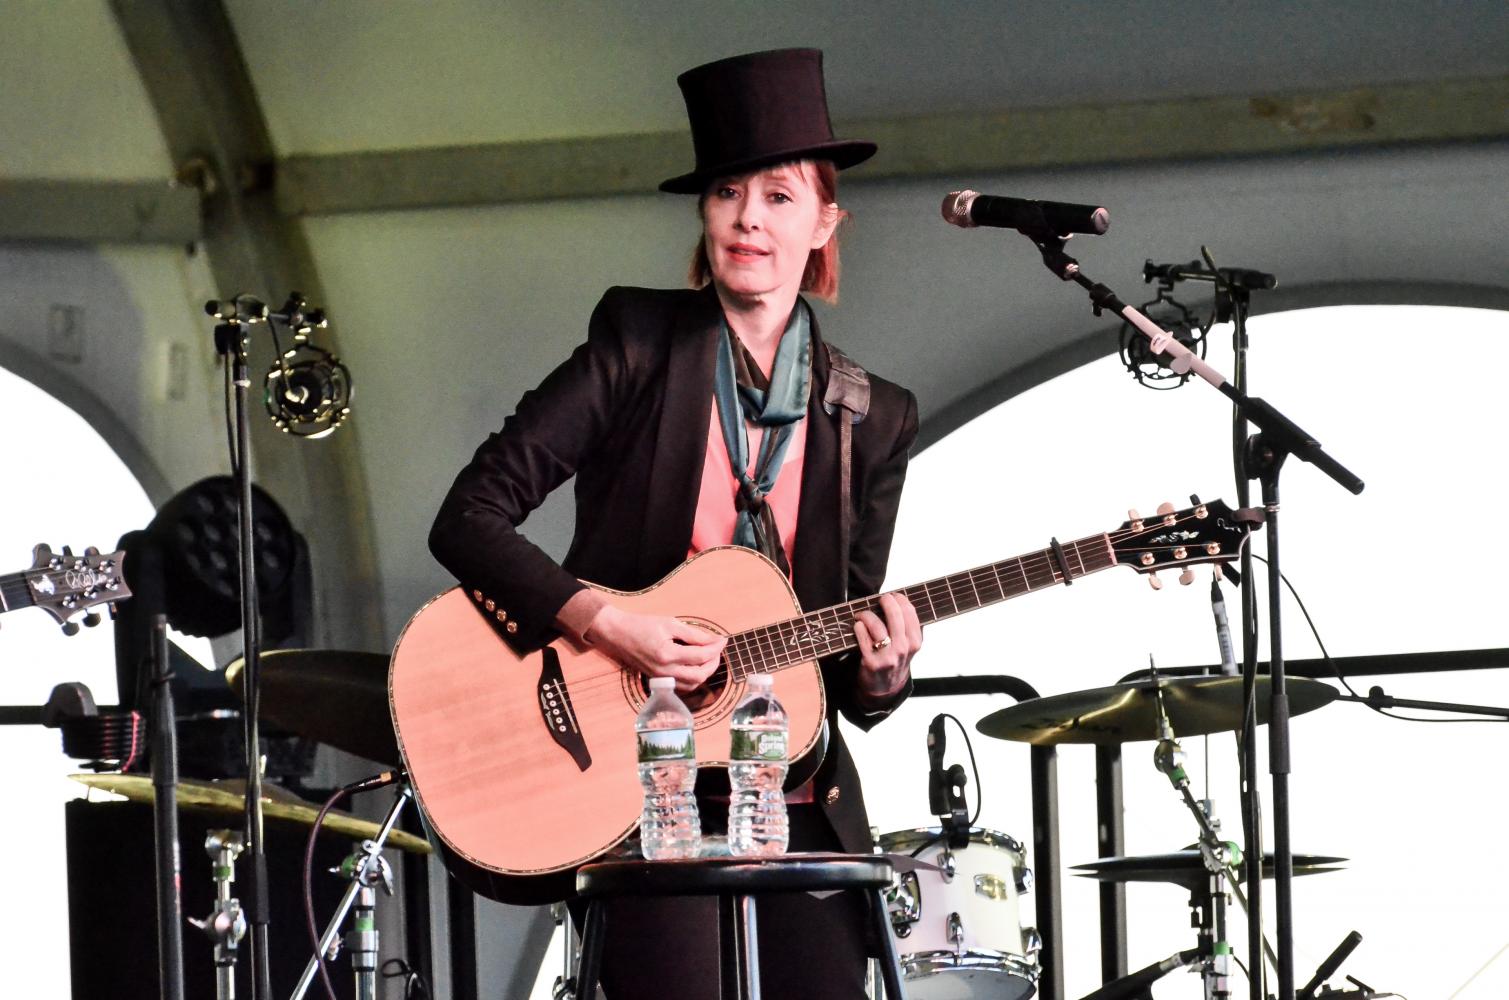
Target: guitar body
(525, 767)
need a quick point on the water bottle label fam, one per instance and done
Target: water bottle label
(666, 744)
(757, 744)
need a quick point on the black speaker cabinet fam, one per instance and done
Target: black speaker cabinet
(112, 902)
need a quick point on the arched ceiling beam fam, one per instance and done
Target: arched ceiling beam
(191, 64)
(934, 145)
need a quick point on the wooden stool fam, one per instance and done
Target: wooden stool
(736, 882)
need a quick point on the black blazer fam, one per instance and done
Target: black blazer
(627, 414)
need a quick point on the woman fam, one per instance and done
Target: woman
(646, 415)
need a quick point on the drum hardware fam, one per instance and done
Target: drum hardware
(226, 924)
(366, 869)
(904, 903)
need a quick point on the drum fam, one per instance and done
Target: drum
(958, 930)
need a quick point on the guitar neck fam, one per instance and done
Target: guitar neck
(830, 631)
(14, 592)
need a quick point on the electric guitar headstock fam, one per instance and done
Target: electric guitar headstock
(65, 585)
(1203, 533)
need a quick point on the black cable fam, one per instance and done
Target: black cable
(1337, 670)
(414, 986)
(230, 420)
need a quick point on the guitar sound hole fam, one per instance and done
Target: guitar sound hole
(702, 698)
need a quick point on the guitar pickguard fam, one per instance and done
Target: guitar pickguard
(555, 709)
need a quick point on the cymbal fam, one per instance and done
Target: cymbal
(1126, 713)
(336, 696)
(230, 797)
(1187, 868)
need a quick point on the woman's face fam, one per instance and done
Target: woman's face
(759, 229)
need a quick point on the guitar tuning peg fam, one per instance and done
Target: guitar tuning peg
(92, 618)
(1154, 582)
(1187, 577)
(1165, 508)
(70, 628)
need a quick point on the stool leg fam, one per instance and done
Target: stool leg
(890, 963)
(750, 947)
(590, 966)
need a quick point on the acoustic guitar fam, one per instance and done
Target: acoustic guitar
(525, 766)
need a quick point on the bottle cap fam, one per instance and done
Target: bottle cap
(760, 682)
(662, 683)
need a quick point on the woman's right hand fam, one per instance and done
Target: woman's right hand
(657, 646)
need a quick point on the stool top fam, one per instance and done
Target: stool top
(798, 872)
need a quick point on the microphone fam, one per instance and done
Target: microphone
(1223, 630)
(937, 782)
(308, 390)
(968, 209)
(1137, 982)
(1330, 965)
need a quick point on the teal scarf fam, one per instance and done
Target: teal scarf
(775, 405)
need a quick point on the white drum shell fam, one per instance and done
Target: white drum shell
(967, 941)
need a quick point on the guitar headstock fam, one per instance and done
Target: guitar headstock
(64, 585)
(1203, 533)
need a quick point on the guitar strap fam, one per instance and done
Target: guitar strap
(848, 390)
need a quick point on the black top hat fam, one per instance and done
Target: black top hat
(757, 110)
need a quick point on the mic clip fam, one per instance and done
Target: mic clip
(955, 822)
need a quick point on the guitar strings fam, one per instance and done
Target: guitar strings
(744, 654)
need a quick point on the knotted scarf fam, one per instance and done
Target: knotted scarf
(775, 404)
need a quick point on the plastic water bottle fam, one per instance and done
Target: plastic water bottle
(669, 826)
(757, 823)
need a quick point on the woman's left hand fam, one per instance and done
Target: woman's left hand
(886, 648)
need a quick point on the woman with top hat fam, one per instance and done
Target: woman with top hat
(704, 417)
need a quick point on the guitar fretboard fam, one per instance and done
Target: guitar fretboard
(829, 631)
(14, 592)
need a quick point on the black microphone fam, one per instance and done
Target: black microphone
(1134, 984)
(1330, 965)
(937, 782)
(968, 209)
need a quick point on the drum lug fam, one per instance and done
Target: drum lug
(904, 903)
(1032, 941)
(1024, 880)
(956, 934)
(946, 863)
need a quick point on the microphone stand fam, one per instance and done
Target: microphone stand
(1377, 699)
(165, 814)
(1233, 300)
(232, 340)
(1264, 454)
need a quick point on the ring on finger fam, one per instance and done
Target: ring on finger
(880, 643)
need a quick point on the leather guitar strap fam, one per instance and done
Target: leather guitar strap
(848, 390)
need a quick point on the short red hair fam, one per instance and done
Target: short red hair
(821, 275)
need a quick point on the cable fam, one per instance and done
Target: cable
(414, 986)
(314, 933)
(380, 780)
(230, 420)
(1337, 670)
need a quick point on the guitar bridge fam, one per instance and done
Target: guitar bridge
(555, 709)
